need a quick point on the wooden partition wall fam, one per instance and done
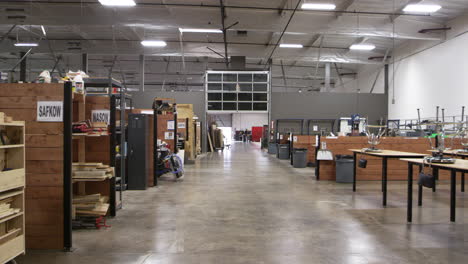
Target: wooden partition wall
(397, 170)
(44, 162)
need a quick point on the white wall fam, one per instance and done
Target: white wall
(247, 121)
(435, 76)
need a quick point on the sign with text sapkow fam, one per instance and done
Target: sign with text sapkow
(49, 111)
(102, 116)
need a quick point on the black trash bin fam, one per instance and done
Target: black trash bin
(300, 158)
(283, 151)
(272, 148)
(344, 168)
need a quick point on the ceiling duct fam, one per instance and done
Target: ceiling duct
(432, 30)
(237, 63)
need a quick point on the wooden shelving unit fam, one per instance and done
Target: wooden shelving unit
(12, 183)
(91, 158)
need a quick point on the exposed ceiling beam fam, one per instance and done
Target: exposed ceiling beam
(202, 5)
(282, 33)
(344, 7)
(399, 11)
(284, 5)
(310, 44)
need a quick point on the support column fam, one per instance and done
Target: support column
(386, 85)
(142, 73)
(327, 76)
(84, 62)
(23, 66)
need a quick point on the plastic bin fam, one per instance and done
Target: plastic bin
(300, 158)
(272, 148)
(283, 151)
(344, 168)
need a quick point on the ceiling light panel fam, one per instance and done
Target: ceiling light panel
(118, 2)
(26, 44)
(362, 47)
(200, 30)
(292, 46)
(154, 43)
(318, 6)
(421, 8)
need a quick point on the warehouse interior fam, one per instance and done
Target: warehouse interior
(230, 131)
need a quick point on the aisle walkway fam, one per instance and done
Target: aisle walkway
(245, 206)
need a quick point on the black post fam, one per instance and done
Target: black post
(453, 186)
(112, 144)
(176, 149)
(84, 63)
(67, 166)
(354, 171)
(384, 180)
(420, 188)
(409, 210)
(155, 145)
(23, 67)
(291, 147)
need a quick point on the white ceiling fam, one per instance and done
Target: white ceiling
(74, 27)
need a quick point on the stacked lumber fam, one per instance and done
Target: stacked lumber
(6, 209)
(5, 119)
(92, 172)
(90, 205)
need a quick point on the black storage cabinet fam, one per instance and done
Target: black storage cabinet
(138, 130)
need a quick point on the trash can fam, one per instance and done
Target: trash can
(283, 151)
(344, 168)
(272, 148)
(300, 158)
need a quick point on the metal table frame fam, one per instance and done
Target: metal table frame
(385, 158)
(453, 168)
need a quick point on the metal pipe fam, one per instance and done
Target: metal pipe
(282, 33)
(223, 16)
(273, 9)
(22, 58)
(198, 42)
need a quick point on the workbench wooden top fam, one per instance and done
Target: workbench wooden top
(459, 164)
(389, 153)
(454, 152)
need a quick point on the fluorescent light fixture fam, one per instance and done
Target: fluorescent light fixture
(43, 30)
(318, 6)
(362, 47)
(293, 46)
(421, 8)
(154, 43)
(200, 30)
(147, 112)
(117, 2)
(26, 44)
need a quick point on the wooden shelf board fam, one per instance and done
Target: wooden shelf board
(10, 217)
(5, 195)
(11, 249)
(14, 123)
(12, 146)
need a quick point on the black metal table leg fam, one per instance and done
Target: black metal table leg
(354, 171)
(384, 180)
(463, 182)
(409, 210)
(453, 185)
(435, 173)
(420, 188)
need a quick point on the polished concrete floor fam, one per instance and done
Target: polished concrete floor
(245, 206)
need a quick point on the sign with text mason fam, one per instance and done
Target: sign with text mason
(100, 116)
(49, 111)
